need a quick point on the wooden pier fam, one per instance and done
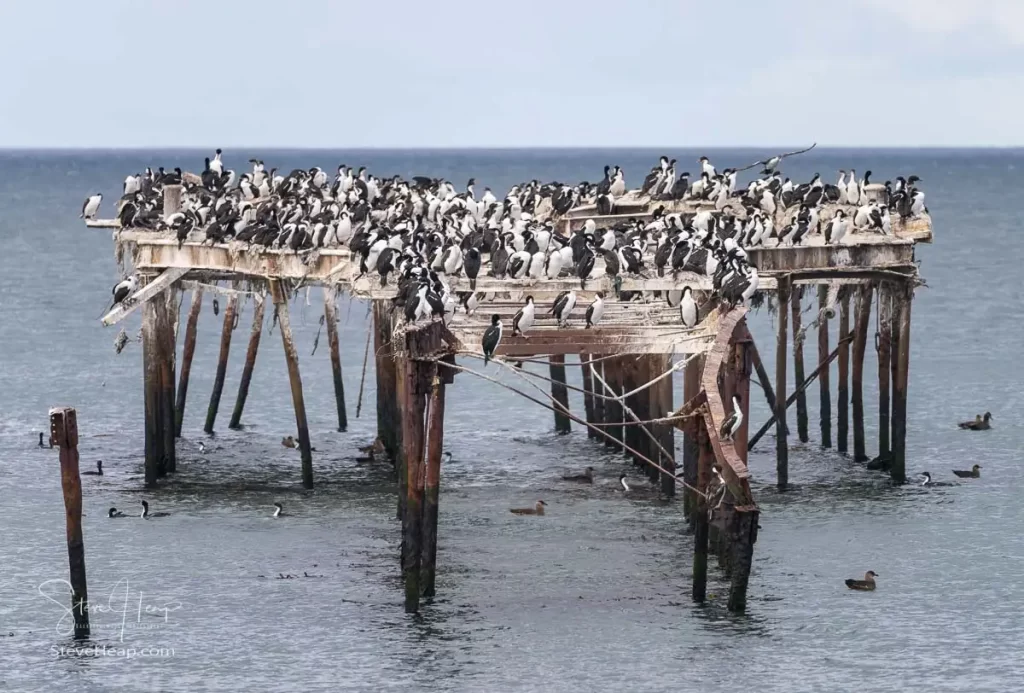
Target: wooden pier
(624, 360)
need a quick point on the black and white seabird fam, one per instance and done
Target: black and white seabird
(41, 440)
(114, 512)
(688, 308)
(492, 337)
(99, 469)
(595, 311)
(277, 510)
(91, 206)
(732, 422)
(563, 306)
(146, 514)
(523, 320)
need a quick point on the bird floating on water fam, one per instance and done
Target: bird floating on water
(289, 442)
(146, 514)
(865, 585)
(586, 477)
(974, 472)
(980, 423)
(41, 440)
(536, 510)
(278, 508)
(98, 471)
(114, 512)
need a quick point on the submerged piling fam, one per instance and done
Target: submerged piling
(298, 402)
(64, 434)
(431, 493)
(331, 317)
(188, 351)
(559, 392)
(222, 362)
(825, 408)
(250, 362)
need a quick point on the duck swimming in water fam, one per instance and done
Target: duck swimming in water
(973, 474)
(41, 440)
(278, 511)
(587, 477)
(289, 442)
(536, 510)
(114, 512)
(979, 424)
(146, 514)
(446, 457)
(866, 585)
(99, 469)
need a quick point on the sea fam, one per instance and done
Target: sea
(595, 595)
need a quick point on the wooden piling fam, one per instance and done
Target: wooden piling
(435, 446)
(825, 408)
(165, 364)
(331, 316)
(560, 393)
(599, 403)
(388, 415)
(692, 374)
(705, 459)
(903, 298)
(798, 362)
(415, 480)
(781, 447)
(884, 356)
(613, 408)
(742, 536)
(188, 351)
(64, 434)
(588, 395)
(280, 299)
(661, 405)
(250, 362)
(172, 199)
(632, 437)
(860, 335)
(222, 362)
(762, 377)
(843, 393)
(154, 440)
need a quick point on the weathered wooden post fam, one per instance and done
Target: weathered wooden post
(860, 337)
(631, 435)
(661, 402)
(172, 200)
(388, 415)
(154, 439)
(560, 393)
(222, 362)
(412, 461)
(884, 355)
(705, 458)
(781, 447)
(435, 446)
(165, 363)
(188, 352)
(798, 363)
(331, 315)
(280, 299)
(588, 395)
(762, 378)
(64, 434)
(823, 377)
(843, 415)
(250, 361)
(613, 408)
(600, 410)
(903, 298)
(692, 373)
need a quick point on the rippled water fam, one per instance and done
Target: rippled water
(593, 596)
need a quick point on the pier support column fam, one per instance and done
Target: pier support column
(64, 434)
(222, 362)
(560, 393)
(165, 363)
(412, 405)
(613, 408)
(843, 394)
(388, 415)
(280, 299)
(860, 337)
(798, 363)
(692, 374)
(742, 536)
(188, 351)
(154, 440)
(331, 316)
(435, 446)
(884, 355)
(661, 401)
(705, 459)
(781, 447)
(250, 362)
(632, 436)
(902, 299)
(823, 377)
(588, 395)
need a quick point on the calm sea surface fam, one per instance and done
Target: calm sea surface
(593, 596)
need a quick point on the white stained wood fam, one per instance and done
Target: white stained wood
(140, 297)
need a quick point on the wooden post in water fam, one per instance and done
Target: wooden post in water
(560, 393)
(631, 435)
(823, 377)
(661, 402)
(188, 352)
(843, 395)
(154, 440)
(705, 458)
(280, 299)
(613, 408)
(435, 446)
(64, 434)
(388, 415)
(412, 405)
(599, 403)
(588, 396)
(798, 363)
(250, 361)
(903, 297)
(692, 374)
(763, 378)
(331, 316)
(640, 403)
(222, 362)
(860, 336)
(165, 364)
(781, 447)
(884, 355)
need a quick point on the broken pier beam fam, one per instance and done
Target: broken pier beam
(613, 407)
(559, 393)
(412, 405)
(280, 298)
(188, 351)
(250, 362)
(222, 363)
(331, 316)
(705, 458)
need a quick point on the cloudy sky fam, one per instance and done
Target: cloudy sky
(448, 73)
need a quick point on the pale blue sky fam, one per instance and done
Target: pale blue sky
(322, 73)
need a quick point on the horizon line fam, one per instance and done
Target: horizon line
(429, 148)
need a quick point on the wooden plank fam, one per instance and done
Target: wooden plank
(147, 292)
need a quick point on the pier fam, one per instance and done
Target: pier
(627, 360)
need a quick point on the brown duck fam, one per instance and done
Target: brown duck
(980, 423)
(536, 510)
(974, 473)
(865, 585)
(587, 477)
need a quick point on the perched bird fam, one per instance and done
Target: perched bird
(865, 585)
(523, 320)
(91, 206)
(123, 289)
(587, 477)
(278, 508)
(979, 423)
(563, 306)
(973, 474)
(595, 310)
(688, 308)
(536, 510)
(732, 422)
(146, 514)
(99, 469)
(114, 512)
(492, 338)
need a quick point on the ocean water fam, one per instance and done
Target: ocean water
(593, 596)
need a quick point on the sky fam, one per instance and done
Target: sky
(557, 73)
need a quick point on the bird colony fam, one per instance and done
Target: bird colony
(418, 235)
